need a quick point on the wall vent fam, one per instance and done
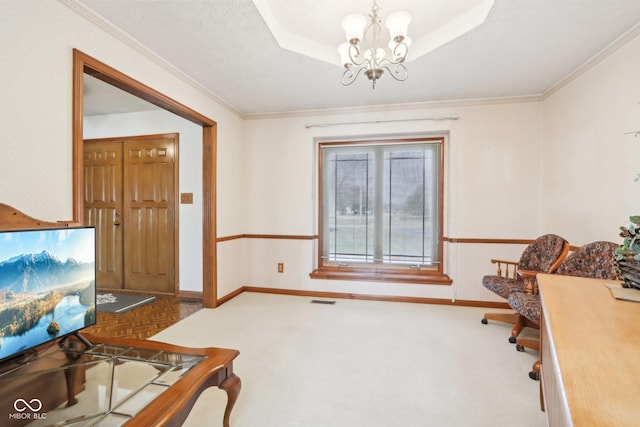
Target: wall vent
(318, 301)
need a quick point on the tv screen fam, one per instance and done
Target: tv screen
(47, 286)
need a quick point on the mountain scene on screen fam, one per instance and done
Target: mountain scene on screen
(42, 297)
(41, 272)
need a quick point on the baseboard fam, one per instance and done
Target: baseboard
(418, 300)
(189, 294)
(230, 296)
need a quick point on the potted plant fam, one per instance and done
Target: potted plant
(628, 254)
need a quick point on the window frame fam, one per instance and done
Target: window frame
(380, 272)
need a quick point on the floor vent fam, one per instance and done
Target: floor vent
(189, 301)
(317, 301)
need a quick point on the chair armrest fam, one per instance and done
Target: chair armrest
(529, 279)
(508, 265)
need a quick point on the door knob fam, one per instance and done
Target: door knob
(117, 220)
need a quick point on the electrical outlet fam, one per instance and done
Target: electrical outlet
(281, 267)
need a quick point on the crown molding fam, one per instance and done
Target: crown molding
(596, 59)
(397, 107)
(122, 36)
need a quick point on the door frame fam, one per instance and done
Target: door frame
(83, 63)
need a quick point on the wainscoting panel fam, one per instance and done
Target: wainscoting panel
(296, 256)
(233, 266)
(252, 261)
(467, 263)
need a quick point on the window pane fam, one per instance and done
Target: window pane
(349, 182)
(404, 210)
(411, 213)
(380, 203)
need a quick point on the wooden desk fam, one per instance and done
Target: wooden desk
(139, 383)
(590, 354)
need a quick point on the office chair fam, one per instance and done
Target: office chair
(544, 255)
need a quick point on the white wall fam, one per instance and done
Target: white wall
(492, 190)
(562, 165)
(590, 164)
(489, 149)
(37, 39)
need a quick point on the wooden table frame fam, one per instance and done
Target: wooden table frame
(173, 406)
(55, 374)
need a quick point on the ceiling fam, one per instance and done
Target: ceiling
(522, 48)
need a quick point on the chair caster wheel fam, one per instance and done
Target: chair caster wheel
(512, 340)
(534, 376)
(484, 321)
(519, 347)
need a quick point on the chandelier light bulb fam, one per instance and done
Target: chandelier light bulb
(345, 58)
(398, 24)
(353, 25)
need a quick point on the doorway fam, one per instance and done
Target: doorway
(83, 63)
(129, 196)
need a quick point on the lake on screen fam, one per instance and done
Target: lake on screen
(69, 313)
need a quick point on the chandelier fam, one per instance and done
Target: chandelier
(364, 51)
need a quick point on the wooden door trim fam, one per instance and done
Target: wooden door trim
(83, 63)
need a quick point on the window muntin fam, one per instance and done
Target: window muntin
(381, 204)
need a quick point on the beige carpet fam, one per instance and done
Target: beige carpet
(362, 363)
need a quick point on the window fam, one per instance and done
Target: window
(381, 210)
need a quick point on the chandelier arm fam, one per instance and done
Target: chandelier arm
(349, 76)
(397, 71)
(354, 52)
(400, 51)
(386, 62)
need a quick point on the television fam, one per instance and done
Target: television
(47, 286)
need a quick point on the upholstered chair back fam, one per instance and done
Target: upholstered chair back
(542, 254)
(595, 260)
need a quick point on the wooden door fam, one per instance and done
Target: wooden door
(103, 208)
(130, 199)
(149, 212)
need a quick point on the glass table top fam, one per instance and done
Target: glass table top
(111, 384)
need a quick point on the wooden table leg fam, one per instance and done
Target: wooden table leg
(231, 385)
(70, 375)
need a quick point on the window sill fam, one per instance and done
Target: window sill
(422, 277)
